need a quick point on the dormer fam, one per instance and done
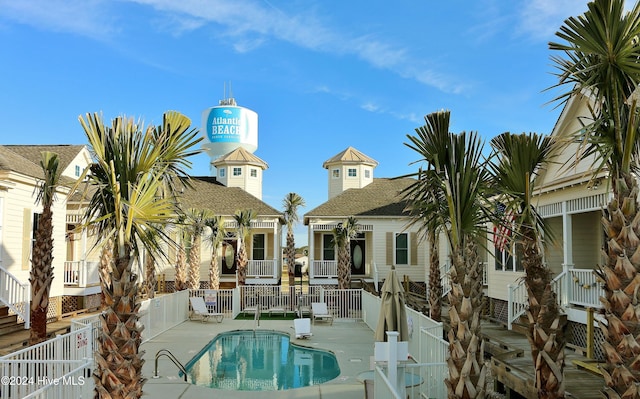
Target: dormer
(349, 169)
(240, 168)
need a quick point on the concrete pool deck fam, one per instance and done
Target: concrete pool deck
(351, 341)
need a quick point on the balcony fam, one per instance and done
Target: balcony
(81, 274)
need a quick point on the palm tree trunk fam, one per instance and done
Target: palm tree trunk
(621, 285)
(546, 326)
(435, 280)
(181, 269)
(40, 277)
(106, 267)
(194, 264)
(467, 369)
(214, 271)
(150, 280)
(118, 372)
(291, 257)
(242, 261)
(344, 267)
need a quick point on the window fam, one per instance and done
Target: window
(328, 247)
(367, 174)
(221, 172)
(254, 172)
(258, 247)
(506, 262)
(402, 249)
(237, 171)
(77, 170)
(335, 173)
(351, 172)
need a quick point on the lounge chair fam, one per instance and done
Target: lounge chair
(319, 311)
(200, 309)
(303, 328)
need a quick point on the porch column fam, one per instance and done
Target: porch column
(567, 238)
(311, 250)
(567, 253)
(277, 251)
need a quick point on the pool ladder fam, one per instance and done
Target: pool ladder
(256, 318)
(165, 352)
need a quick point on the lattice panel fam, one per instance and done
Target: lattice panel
(92, 301)
(577, 335)
(55, 308)
(500, 310)
(69, 304)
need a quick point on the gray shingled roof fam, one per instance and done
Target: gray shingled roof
(380, 198)
(25, 159)
(208, 193)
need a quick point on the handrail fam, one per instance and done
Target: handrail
(167, 353)
(256, 317)
(13, 292)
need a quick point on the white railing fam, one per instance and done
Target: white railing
(232, 224)
(430, 383)
(331, 226)
(38, 369)
(343, 304)
(485, 273)
(324, 268)
(77, 383)
(517, 302)
(261, 268)
(81, 273)
(217, 301)
(584, 288)
(577, 287)
(15, 295)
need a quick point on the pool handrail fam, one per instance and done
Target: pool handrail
(171, 357)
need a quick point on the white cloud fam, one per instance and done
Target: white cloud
(542, 18)
(86, 17)
(246, 26)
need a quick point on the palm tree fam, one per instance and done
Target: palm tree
(106, 267)
(150, 276)
(519, 158)
(41, 273)
(435, 279)
(291, 203)
(450, 193)
(131, 166)
(215, 238)
(342, 235)
(243, 218)
(197, 221)
(602, 49)
(182, 237)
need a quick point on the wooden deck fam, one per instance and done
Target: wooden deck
(512, 367)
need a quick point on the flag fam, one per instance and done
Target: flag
(502, 230)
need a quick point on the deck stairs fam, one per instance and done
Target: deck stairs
(9, 322)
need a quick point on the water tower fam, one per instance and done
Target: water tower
(228, 127)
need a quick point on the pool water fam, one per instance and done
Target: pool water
(263, 360)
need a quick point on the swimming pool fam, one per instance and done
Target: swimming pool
(262, 360)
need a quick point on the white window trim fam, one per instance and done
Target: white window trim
(395, 260)
(221, 172)
(355, 176)
(251, 173)
(234, 172)
(263, 248)
(335, 252)
(333, 176)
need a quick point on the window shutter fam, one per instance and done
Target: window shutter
(413, 242)
(26, 238)
(389, 248)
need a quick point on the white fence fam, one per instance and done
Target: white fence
(58, 368)
(81, 273)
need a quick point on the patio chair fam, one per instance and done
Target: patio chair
(200, 309)
(303, 328)
(319, 311)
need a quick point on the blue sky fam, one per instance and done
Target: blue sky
(322, 75)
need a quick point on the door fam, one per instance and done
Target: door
(229, 249)
(357, 246)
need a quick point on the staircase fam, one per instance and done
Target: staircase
(15, 295)
(9, 322)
